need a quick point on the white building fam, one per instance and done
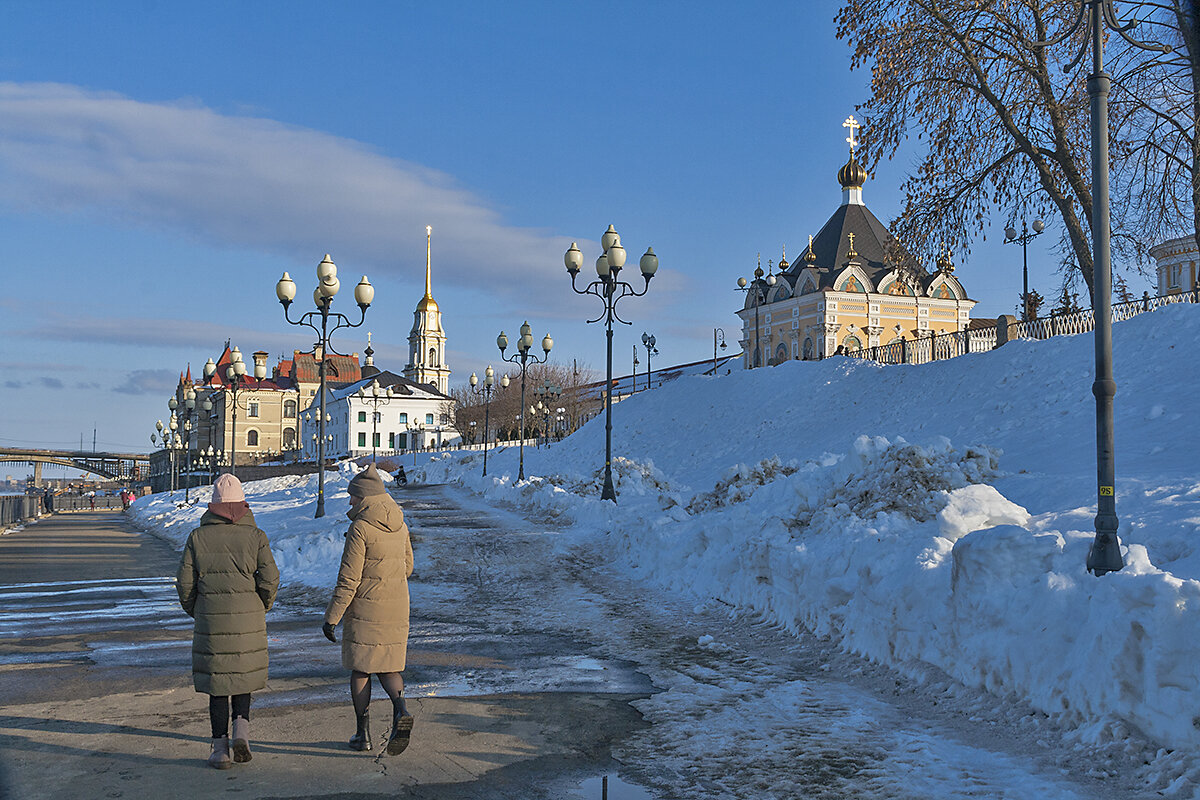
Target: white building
(415, 417)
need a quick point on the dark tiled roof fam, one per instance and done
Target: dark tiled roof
(831, 245)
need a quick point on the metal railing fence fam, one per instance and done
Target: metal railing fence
(980, 340)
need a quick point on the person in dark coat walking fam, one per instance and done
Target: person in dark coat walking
(372, 597)
(227, 581)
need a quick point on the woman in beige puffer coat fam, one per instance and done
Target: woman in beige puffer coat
(371, 596)
(227, 581)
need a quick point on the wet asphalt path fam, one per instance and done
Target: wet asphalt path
(89, 618)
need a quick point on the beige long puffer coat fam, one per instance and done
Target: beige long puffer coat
(372, 588)
(227, 581)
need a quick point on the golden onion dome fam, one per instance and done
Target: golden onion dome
(852, 175)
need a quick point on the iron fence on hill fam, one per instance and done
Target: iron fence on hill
(980, 340)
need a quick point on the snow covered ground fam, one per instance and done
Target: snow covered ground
(934, 519)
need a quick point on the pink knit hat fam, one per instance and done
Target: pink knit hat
(228, 489)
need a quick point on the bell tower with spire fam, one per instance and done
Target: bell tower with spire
(427, 340)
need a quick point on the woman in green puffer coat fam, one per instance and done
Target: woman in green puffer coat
(227, 581)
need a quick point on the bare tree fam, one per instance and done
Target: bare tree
(1156, 185)
(1003, 125)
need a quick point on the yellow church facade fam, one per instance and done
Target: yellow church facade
(846, 292)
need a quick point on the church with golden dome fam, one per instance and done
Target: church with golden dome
(848, 290)
(427, 340)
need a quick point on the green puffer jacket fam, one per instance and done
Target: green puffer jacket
(227, 581)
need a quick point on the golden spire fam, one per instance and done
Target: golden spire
(783, 262)
(427, 302)
(810, 256)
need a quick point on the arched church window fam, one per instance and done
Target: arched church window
(781, 354)
(808, 348)
(432, 357)
(289, 408)
(252, 438)
(289, 438)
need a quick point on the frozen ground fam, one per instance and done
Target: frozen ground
(931, 519)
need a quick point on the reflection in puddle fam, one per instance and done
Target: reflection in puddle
(610, 787)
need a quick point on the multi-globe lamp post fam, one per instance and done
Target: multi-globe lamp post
(1023, 238)
(609, 289)
(1095, 16)
(648, 342)
(523, 357)
(327, 288)
(235, 380)
(756, 286)
(489, 386)
(376, 396)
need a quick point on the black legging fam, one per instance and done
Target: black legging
(218, 711)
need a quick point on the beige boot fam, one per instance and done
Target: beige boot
(219, 759)
(241, 740)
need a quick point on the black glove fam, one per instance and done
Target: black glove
(327, 629)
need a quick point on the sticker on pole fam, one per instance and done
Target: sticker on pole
(1106, 491)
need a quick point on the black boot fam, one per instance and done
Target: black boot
(361, 740)
(402, 723)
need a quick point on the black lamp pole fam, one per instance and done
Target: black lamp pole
(1105, 553)
(1011, 237)
(327, 288)
(522, 357)
(759, 286)
(609, 290)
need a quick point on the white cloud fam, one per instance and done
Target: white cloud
(253, 182)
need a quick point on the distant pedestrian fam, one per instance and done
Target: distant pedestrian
(92, 500)
(401, 477)
(227, 581)
(372, 597)
(48, 500)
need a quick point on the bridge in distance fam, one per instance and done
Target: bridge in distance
(111, 466)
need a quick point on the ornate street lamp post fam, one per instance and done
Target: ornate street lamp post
(489, 386)
(757, 287)
(522, 357)
(1104, 555)
(376, 398)
(648, 343)
(722, 333)
(327, 287)
(235, 379)
(609, 289)
(1011, 237)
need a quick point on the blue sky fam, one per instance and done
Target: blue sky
(162, 164)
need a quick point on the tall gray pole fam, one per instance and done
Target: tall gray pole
(321, 422)
(1105, 552)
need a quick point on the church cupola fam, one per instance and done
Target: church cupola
(852, 176)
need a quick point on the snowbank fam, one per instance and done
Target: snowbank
(795, 492)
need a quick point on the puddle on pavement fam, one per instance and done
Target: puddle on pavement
(610, 787)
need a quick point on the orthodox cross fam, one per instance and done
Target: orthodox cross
(851, 253)
(853, 125)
